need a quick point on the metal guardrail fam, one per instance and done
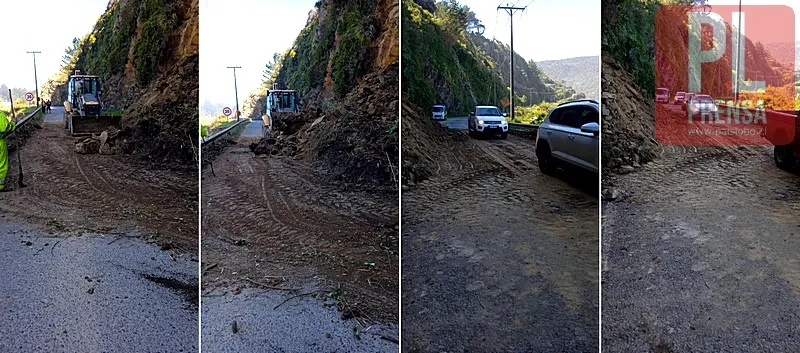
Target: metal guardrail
(27, 118)
(209, 139)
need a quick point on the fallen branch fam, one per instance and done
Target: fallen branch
(269, 286)
(208, 268)
(54, 246)
(292, 297)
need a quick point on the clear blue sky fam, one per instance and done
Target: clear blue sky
(56, 23)
(547, 30)
(244, 33)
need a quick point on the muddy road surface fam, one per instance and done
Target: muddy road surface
(99, 253)
(67, 191)
(498, 256)
(700, 254)
(272, 224)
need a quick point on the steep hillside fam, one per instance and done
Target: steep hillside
(444, 64)
(344, 65)
(581, 73)
(146, 53)
(628, 120)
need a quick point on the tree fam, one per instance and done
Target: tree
(70, 52)
(452, 16)
(272, 68)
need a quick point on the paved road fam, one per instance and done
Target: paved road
(253, 129)
(93, 294)
(56, 115)
(458, 123)
(301, 324)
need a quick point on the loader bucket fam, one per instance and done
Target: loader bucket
(87, 125)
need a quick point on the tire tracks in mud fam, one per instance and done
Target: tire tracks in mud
(497, 256)
(275, 210)
(700, 254)
(101, 192)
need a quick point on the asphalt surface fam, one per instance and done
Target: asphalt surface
(299, 324)
(253, 129)
(93, 293)
(457, 123)
(56, 115)
(700, 255)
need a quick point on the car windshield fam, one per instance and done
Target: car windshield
(488, 111)
(437, 109)
(702, 99)
(662, 91)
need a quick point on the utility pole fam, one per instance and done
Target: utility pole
(511, 10)
(738, 51)
(236, 89)
(35, 78)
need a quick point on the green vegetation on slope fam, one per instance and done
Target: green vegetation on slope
(443, 64)
(304, 66)
(629, 33)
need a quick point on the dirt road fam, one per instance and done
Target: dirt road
(497, 256)
(79, 268)
(269, 220)
(70, 192)
(700, 254)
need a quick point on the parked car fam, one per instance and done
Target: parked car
(686, 98)
(786, 156)
(570, 136)
(679, 97)
(700, 104)
(487, 120)
(439, 112)
(662, 95)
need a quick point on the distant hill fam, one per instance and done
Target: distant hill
(581, 73)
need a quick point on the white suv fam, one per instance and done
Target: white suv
(486, 120)
(439, 112)
(570, 136)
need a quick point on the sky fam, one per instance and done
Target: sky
(57, 22)
(244, 33)
(547, 29)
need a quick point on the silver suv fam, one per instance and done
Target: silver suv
(487, 120)
(570, 136)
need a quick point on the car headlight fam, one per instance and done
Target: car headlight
(481, 122)
(504, 122)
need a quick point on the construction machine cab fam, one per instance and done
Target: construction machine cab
(278, 101)
(83, 110)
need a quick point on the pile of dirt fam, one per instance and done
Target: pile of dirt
(628, 121)
(107, 142)
(355, 144)
(421, 138)
(146, 53)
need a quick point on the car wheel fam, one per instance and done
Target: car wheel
(784, 158)
(545, 159)
(504, 135)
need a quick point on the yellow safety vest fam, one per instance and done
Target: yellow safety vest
(6, 126)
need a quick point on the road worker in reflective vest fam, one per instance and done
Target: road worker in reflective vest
(6, 127)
